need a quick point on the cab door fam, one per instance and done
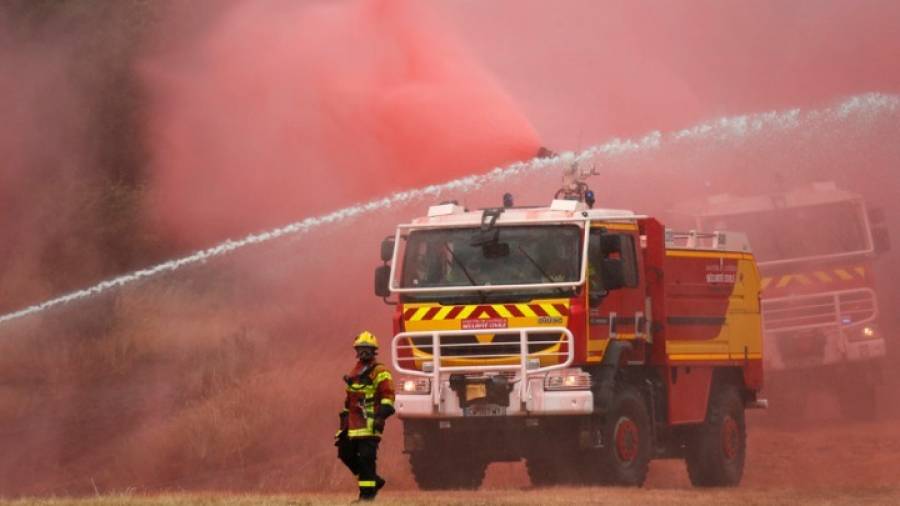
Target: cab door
(616, 290)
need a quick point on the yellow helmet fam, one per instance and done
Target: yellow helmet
(366, 338)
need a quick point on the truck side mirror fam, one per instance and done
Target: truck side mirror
(613, 273)
(881, 240)
(382, 281)
(387, 249)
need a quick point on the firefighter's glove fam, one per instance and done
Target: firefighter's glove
(378, 425)
(383, 411)
(339, 437)
(343, 417)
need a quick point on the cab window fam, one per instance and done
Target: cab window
(613, 262)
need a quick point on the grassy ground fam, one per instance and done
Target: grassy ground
(551, 496)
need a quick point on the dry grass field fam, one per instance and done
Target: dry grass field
(549, 496)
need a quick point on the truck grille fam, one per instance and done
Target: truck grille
(500, 345)
(522, 351)
(832, 309)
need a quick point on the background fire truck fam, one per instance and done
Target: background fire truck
(816, 247)
(585, 341)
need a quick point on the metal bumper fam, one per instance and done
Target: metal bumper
(525, 372)
(538, 402)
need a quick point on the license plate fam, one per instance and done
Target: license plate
(476, 391)
(485, 410)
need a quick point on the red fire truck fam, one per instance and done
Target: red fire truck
(816, 246)
(585, 341)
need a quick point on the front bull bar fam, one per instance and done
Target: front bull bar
(565, 337)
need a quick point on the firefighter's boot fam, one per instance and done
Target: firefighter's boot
(368, 489)
(368, 493)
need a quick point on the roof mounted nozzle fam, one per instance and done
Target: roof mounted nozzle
(507, 200)
(574, 186)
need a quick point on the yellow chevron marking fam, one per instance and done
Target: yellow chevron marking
(502, 311)
(785, 281)
(465, 312)
(823, 276)
(550, 310)
(526, 311)
(861, 271)
(764, 283)
(484, 338)
(442, 314)
(841, 273)
(419, 314)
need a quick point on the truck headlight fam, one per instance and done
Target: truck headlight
(415, 386)
(862, 333)
(567, 379)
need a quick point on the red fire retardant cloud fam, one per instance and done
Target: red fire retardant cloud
(285, 110)
(588, 70)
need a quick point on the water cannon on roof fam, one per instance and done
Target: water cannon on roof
(575, 187)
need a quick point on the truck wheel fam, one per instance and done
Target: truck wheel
(716, 449)
(447, 470)
(625, 458)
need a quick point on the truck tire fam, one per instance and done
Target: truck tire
(716, 450)
(446, 470)
(625, 457)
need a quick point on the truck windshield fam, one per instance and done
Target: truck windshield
(798, 232)
(521, 255)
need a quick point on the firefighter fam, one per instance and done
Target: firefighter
(369, 402)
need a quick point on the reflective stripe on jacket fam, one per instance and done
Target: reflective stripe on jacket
(366, 390)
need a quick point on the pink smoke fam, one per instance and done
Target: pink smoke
(587, 70)
(285, 110)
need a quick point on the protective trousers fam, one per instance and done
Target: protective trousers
(359, 456)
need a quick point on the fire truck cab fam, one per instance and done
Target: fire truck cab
(585, 341)
(816, 246)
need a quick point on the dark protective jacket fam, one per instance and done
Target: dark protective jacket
(370, 395)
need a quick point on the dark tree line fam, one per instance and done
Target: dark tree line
(86, 162)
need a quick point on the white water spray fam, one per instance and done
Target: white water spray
(867, 106)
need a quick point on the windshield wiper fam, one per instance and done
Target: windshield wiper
(540, 269)
(460, 264)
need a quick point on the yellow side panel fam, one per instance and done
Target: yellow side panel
(741, 332)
